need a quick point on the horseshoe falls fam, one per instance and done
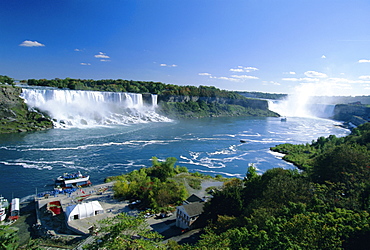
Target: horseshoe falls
(78, 108)
(292, 107)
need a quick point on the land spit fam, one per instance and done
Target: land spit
(57, 227)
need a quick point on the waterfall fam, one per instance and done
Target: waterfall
(76, 108)
(295, 107)
(304, 101)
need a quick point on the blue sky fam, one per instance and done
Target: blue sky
(316, 46)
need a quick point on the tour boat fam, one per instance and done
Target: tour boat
(4, 204)
(72, 180)
(14, 209)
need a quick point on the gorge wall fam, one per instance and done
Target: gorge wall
(356, 114)
(197, 107)
(244, 102)
(14, 113)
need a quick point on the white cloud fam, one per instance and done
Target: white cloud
(305, 79)
(225, 78)
(77, 50)
(167, 65)
(85, 63)
(237, 70)
(323, 56)
(364, 77)
(104, 60)
(244, 77)
(275, 83)
(289, 73)
(234, 78)
(364, 61)
(315, 74)
(204, 74)
(244, 69)
(102, 55)
(28, 43)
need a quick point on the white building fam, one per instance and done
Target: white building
(83, 210)
(187, 214)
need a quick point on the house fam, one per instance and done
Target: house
(193, 198)
(83, 210)
(187, 214)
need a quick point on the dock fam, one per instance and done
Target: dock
(102, 193)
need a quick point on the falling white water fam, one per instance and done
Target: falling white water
(77, 108)
(302, 103)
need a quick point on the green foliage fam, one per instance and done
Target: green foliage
(126, 232)
(296, 228)
(251, 173)
(262, 95)
(151, 186)
(6, 80)
(195, 183)
(181, 169)
(200, 109)
(162, 170)
(323, 207)
(135, 86)
(15, 116)
(8, 238)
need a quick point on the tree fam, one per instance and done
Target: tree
(340, 161)
(6, 80)
(126, 232)
(162, 170)
(251, 173)
(8, 238)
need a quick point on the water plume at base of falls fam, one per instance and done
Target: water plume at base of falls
(78, 108)
(305, 102)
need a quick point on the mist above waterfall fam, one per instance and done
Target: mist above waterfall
(78, 108)
(304, 102)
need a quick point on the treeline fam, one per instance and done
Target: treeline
(120, 85)
(262, 95)
(6, 80)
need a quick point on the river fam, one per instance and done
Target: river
(31, 161)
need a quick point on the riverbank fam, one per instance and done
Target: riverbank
(14, 114)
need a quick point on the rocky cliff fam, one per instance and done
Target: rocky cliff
(196, 107)
(356, 114)
(14, 114)
(244, 102)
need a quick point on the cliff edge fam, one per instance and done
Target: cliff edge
(14, 114)
(181, 107)
(357, 114)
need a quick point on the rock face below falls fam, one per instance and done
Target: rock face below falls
(14, 114)
(356, 114)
